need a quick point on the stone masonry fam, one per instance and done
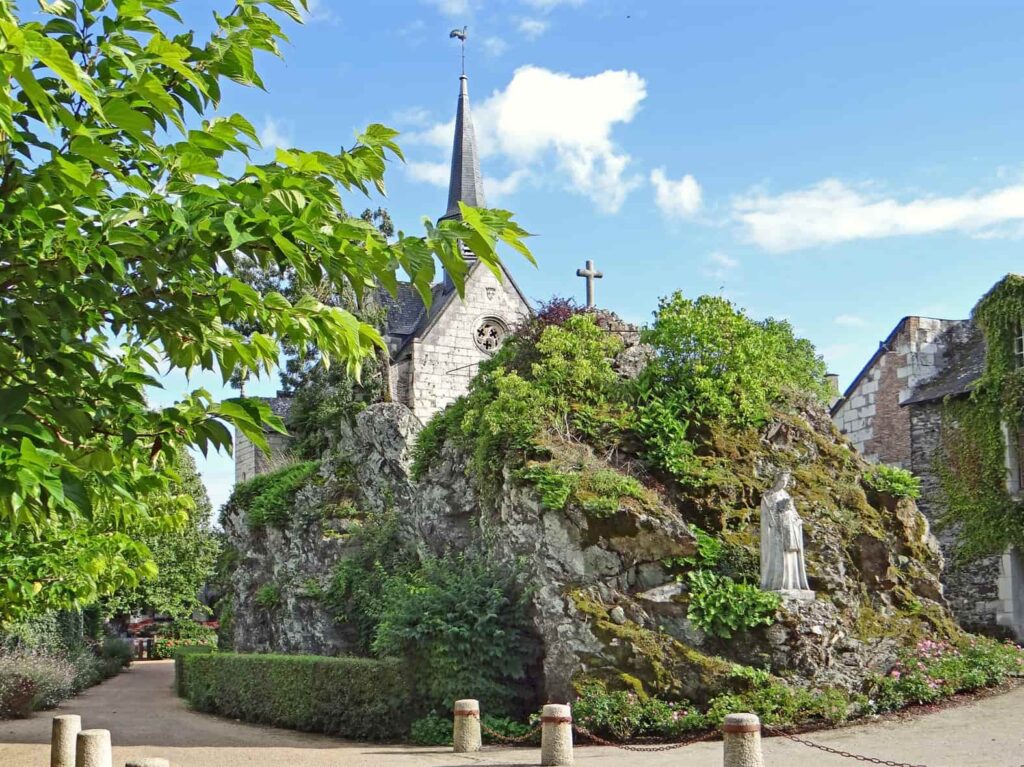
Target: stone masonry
(446, 357)
(870, 413)
(892, 413)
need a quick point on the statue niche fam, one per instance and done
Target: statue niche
(782, 543)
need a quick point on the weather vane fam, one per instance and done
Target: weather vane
(460, 34)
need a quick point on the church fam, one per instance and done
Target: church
(435, 351)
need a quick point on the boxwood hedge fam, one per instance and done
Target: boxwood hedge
(357, 698)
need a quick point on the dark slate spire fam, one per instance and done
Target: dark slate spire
(465, 184)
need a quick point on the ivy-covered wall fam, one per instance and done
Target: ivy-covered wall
(972, 494)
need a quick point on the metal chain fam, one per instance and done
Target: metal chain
(642, 749)
(837, 752)
(511, 741)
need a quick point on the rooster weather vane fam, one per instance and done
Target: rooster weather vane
(460, 35)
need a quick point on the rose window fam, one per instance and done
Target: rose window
(489, 334)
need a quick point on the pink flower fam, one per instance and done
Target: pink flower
(895, 673)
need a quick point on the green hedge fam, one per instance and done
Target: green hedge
(351, 697)
(180, 672)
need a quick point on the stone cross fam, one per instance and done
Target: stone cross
(590, 274)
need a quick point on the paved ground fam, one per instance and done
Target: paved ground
(146, 719)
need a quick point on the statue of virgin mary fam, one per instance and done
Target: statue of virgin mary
(782, 542)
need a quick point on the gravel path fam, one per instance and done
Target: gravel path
(145, 718)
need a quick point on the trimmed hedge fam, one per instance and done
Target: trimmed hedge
(356, 698)
(180, 674)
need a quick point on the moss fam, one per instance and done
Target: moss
(650, 662)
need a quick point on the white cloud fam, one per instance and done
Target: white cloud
(831, 212)
(275, 134)
(451, 7)
(850, 321)
(531, 29)
(542, 115)
(414, 116)
(320, 11)
(436, 173)
(494, 46)
(720, 265)
(496, 188)
(676, 199)
(547, 5)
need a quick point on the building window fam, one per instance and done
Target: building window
(490, 334)
(1018, 344)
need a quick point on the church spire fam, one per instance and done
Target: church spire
(465, 184)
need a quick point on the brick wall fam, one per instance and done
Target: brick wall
(446, 358)
(972, 590)
(871, 416)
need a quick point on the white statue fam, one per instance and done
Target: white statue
(782, 543)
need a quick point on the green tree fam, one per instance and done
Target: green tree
(716, 365)
(185, 557)
(121, 222)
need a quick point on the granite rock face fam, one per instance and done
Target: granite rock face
(605, 603)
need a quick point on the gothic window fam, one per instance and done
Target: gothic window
(490, 334)
(1018, 344)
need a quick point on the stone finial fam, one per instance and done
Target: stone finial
(466, 731)
(63, 737)
(92, 749)
(741, 741)
(556, 735)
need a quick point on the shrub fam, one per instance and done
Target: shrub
(623, 715)
(934, 670)
(715, 364)
(165, 647)
(117, 653)
(268, 596)
(268, 499)
(349, 697)
(437, 730)
(894, 481)
(721, 606)
(451, 609)
(32, 681)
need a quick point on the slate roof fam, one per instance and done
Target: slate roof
(465, 183)
(962, 365)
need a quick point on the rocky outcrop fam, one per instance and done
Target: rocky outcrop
(606, 602)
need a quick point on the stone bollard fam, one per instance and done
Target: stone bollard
(466, 736)
(93, 749)
(741, 741)
(147, 761)
(556, 735)
(62, 740)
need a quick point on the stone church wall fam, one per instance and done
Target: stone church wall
(446, 358)
(871, 416)
(972, 590)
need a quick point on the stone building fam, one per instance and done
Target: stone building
(436, 351)
(892, 413)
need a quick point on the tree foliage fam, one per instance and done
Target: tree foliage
(184, 556)
(122, 220)
(714, 364)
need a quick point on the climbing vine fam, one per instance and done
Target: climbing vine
(972, 461)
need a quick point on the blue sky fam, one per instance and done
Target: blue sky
(840, 165)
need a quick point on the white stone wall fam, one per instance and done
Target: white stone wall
(250, 460)
(1010, 609)
(446, 358)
